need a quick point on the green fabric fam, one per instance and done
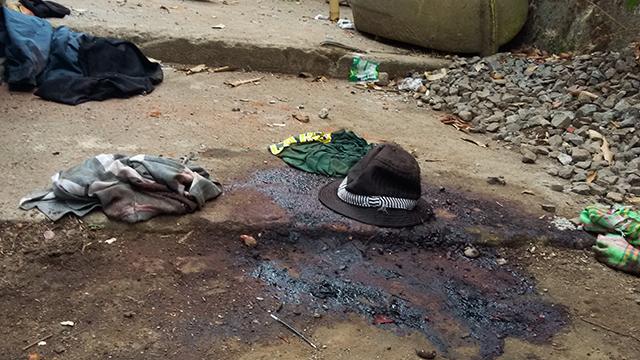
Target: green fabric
(333, 158)
(618, 220)
(617, 253)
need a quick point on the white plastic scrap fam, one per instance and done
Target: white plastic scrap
(67, 323)
(42, 343)
(346, 24)
(562, 224)
(410, 83)
(110, 241)
(321, 17)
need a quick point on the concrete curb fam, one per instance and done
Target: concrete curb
(275, 58)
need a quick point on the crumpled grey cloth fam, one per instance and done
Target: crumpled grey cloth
(130, 189)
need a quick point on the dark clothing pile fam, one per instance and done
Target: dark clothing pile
(71, 67)
(45, 9)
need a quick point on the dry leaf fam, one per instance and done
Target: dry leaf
(606, 151)
(456, 122)
(435, 75)
(497, 76)
(155, 114)
(34, 356)
(593, 176)
(588, 94)
(634, 200)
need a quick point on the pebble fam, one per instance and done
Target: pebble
(249, 241)
(579, 154)
(557, 187)
(582, 189)
(565, 159)
(324, 113)
(528, 157)
(615, 197)
(471, 252)
(548, 208)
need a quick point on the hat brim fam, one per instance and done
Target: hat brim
(328, 196)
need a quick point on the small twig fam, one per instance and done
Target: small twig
(221, 69)
(293, 330)
(609, 329)
(37, 341)
(243, 82)
(184, 238)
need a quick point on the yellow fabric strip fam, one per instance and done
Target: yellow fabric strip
(317, 136)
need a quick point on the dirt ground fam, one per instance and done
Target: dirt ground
(187, 288)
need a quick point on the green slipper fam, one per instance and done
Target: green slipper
(618, 220)
(616, 252)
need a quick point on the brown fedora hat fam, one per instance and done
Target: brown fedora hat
(382, 189)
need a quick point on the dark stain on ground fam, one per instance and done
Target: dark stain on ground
(461, 218)
(334, 264)
(193, 295)
(453, 300)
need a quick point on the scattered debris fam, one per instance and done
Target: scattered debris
(606, 151)
(331, 43)
(496, 180)
(185, 237)
(249, 240)
(435, 75)
(471, 252)
(363, 70)
(67, 323)
(34, 343)
(219, 26)
(475, 142)
(456, 122)
(382, 319)
(324, 113)
(301, 117)
(410, 84)
(563, 224)
(243, 82)
(197, 69)
(345, 24)
(48, 235)
(293, 330)
(548, 208)
(604, 327)
(429, 355)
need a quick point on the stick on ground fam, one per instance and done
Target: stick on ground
(242, 82)
(37, 341)
(293, 330)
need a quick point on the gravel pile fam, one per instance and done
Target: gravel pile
(560, 108)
